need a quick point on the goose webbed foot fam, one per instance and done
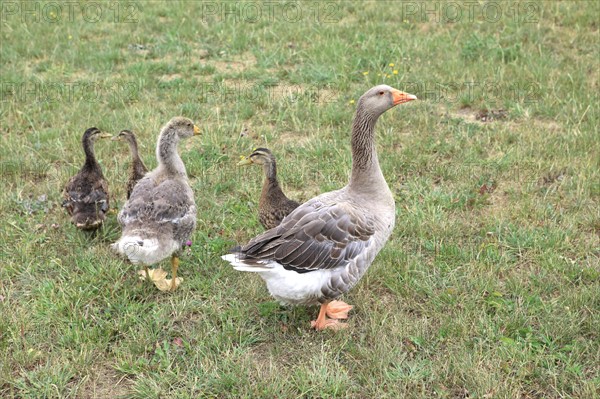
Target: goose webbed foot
(168, 284)
(159, 276)
(153, 275)
(339, 310)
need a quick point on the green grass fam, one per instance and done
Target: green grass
(488, 288)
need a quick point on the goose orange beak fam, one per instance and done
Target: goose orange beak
(402, 97)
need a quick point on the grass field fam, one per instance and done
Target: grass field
(488, 288)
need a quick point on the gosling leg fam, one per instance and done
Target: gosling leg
(174, 267)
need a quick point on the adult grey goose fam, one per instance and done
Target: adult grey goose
(160, 215)
(321, 249)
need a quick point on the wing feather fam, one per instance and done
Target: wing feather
(158, 203)
(315, 236)
(86, 197)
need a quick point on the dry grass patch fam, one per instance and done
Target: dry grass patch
(236, 64)
(105, 382)
(170, 77)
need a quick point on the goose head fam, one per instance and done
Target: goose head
(126, 135)
(180, 128)
(260, 156)
(380, 98)
(93, 133)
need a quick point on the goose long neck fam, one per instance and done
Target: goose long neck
(90, 155)
(167, 156)
(366, 173)
(133, 147)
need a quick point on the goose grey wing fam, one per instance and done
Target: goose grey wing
(139, 202)
(170, 201)
(315, 236)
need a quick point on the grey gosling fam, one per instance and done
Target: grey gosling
(160, 215)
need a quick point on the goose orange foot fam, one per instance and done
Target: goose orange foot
(336, 310)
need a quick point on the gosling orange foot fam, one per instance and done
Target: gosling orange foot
(323, 322)
(338, 310)
(159, 278)
(152, 274)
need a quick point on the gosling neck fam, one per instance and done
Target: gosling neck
(271, 184)
(90, 156)
(270, 171)
(133, 147)
(167, 155)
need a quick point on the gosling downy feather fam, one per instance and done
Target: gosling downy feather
(86, 196)
(273, 205)
(160, 215)
(323, 248)
(137, 170)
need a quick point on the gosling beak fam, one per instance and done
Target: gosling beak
(402, 97)
(244, 161)
(196, 130)
(116, 138)
(104, 135)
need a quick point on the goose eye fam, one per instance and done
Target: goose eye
(381, 93)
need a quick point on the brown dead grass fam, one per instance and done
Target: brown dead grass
(469, 115)
(235, 64)
(104, 383)
(170, 77)
(297, 139)
(200, 53)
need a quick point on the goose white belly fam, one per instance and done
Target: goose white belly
(291, 288)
